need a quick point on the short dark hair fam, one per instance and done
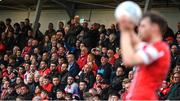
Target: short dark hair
(157, 19)
(8, 19)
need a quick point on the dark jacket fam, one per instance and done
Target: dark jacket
(74, 69)
(116, 82)
(174, 93)
(91, 38)
(63, 77)
(11, 96)
(54, 73)
(89, 76)
(106, 71)
(54, 90)
(32, 87)
(72, 33)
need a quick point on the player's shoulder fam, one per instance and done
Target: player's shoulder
(161, 45)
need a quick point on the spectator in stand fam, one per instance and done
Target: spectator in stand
(47, 85)
(73, 67)
(64, 74)
(25, 93)
(83, 88)
(82, 60)
(112, 59)
(44, 70)
(130, 75)
(124, 92)
(39, 35)
(164, 90)
(91, 59)
(61, 28)
(114, 96)
(113, 43)
(57, 65)
(178, 27)
(53, 70)
(60, 94)
(72, 86)
(105, 69)
(86, 74)
(174, 93)
(4, 89)
(178, 39)
(50, 30)
(116, 82)
(56, 86)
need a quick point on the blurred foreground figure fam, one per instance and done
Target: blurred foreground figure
(148, 52)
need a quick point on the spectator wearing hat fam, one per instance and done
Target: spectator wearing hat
(73, 67)
(72, 86)
(105, 69)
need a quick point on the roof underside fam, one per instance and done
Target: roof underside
(79, 4)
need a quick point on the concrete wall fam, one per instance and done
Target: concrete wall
(103, 16)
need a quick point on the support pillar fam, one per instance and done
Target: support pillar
(37, 15)
(147, 6)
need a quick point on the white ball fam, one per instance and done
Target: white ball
(129, 9)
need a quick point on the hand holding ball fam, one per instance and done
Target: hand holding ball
(128, 10)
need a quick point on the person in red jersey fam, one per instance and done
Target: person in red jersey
(148, 53)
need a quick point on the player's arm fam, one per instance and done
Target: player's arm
(146, 54)
(129, 56)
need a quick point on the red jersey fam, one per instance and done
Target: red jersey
(82, 60)
(150, 75)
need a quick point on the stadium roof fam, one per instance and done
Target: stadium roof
(79, 4)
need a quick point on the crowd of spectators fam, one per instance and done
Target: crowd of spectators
(75, 62)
